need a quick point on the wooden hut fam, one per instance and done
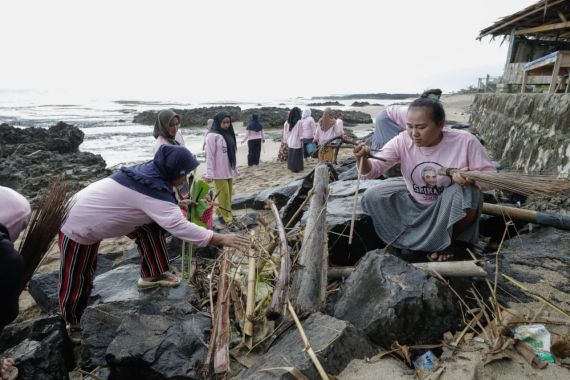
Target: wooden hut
(539, 46)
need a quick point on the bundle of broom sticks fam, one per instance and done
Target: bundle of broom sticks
(516, 182)
(44, 226)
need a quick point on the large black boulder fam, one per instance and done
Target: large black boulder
(391, 300)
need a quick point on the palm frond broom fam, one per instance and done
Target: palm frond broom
(516, 182)
(44, 226)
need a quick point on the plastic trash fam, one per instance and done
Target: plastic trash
(538, 337)
(425, 364)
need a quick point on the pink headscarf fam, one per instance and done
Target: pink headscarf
(15, 212)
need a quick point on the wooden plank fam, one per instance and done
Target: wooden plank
(543, 28)
(555, 72)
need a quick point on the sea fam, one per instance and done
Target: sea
(108, 123)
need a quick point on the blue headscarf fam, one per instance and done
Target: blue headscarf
(254, 124)
(154, 178)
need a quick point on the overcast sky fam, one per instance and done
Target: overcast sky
(247, 50)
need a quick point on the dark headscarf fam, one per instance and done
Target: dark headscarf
(162, 123)
(154, 178)
(254, 124)
(294, 117)
(228, 135)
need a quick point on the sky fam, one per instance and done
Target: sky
(246, 50)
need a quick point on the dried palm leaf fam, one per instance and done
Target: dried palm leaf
(517, 182)
(44, 226)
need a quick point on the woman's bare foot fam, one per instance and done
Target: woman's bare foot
(440, 256)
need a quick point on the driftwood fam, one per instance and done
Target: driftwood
(281, 291)
(250, 304)
(543, 218)
(355, 204)
(222, 340)
(446, 269)
(293, 205)
(310, 281)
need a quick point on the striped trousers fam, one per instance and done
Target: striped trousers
(79, 261)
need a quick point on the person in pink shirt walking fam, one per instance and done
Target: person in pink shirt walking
(295, 141)
(136, 201)
(254, 137)
(221, 166)
(424, 211)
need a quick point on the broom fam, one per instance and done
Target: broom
(517, 182)
(44, 226)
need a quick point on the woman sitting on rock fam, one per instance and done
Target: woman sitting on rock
(137, 201)
(411, 213)
(391, 121)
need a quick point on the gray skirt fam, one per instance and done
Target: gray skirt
(295, 160)
(422, 227)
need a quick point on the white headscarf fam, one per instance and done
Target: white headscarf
(306, 113)
(15, 212)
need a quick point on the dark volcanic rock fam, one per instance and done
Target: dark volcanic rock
(155, 333)
(335, 342)
(41, 348)
(190, 117)
(270, 117)
(391, 300)
(541, 256)
(350, 117)
(323, 104)
(280, 195)
(61, 138)
(32, 158)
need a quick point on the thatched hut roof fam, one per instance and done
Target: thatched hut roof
(549, 19)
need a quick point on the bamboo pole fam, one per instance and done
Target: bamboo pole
(355, 204)
(281, 290)
(222, 342)
(250, 305)
(543, 218)
(305, 340)
(446, 269)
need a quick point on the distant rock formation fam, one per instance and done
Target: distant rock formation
(31, 158)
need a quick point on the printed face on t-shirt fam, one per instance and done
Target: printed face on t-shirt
(426, 182)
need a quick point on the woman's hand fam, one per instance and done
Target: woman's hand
(186, 203)
(230, 240)
(461, 180)
(362, 152)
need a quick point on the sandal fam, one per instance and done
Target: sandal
(165, 279)
(440, 256)
(74, 332)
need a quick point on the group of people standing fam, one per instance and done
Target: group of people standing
(302, 137)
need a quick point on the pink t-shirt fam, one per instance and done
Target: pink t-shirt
(398, 114)
(295, 140)
(457, 149)
(160, 140)
(107, 209)
(322, 137)
(217, 160)
(308, 127)
(253, 135)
